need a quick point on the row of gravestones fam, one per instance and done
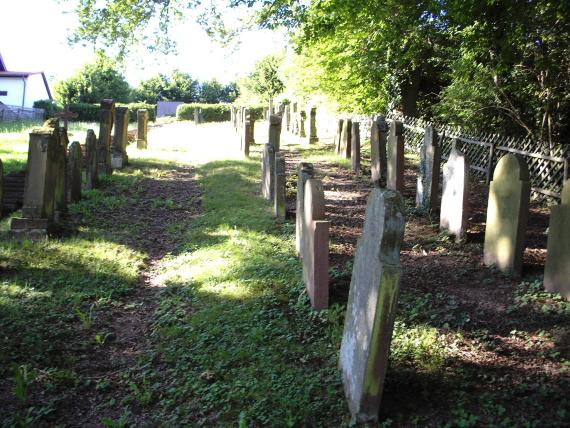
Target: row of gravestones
(244, 125)
(509, 196)
(295, 119)
(54, 172)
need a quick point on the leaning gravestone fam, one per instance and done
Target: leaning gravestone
(455, 198)
(355, 147)
(346, 139)
(74, 164)
(557, 269)
(104, 142)
(428, 180)
(119, 149)
(275, 131)
(395, 179)
(142, 125)
(268, 171)
(92, 178)
(305, 171)
(39, 206)
(315, 245)
(372, 304)
(279, 207)
(378, 160)
(507, 215)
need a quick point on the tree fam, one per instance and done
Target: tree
(93, 82)
(178, 87)
(211, 92)
(264, 80)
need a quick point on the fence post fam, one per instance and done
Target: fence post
(490, 166)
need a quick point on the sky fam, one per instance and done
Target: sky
(33, 37)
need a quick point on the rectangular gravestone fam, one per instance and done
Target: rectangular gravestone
(507, 215)
(355, 147)
(91, 176)
(39, 205)
(104, 142)
(279, 207)
(313, 138)
(287, 116)
(275, 131)
(119, 157)
(395, 152)
(74, 165)
(557, 268)
(268, 171)
(455, 197)
(295, 119)
(378, 159)
(142, 129)
(60, 207)
(315, 245)
(427, 186)
(372, 302)
(305, 171)
(337, 137)
(302, 120)
(346, 139)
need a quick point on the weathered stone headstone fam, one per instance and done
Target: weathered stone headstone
(455, 198)
(198, 116)
(295, 117)
(119, 156)
(427, 186)
(287, 116)
(313, 138)
(92, 178)
(247, 134)
(315, 245)
(42, 173)
(302, 119)
(104, 142)
(279, 207)
(507, 215)
(395, 179)
(305, 171)
(355, 147)
(372, 304)
(346, 139)
(268, 171)
(61, 167)
(74, 164)
(275, 131)
(378, 159)
(338, 135)
(557, 269)
(142, 126)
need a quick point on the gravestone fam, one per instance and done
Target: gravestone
(427, 186)
(275, 131)
(295, 118)
(66, 114)
(279, 207)
(455, 198)
(60, 207)
(38, 211)
(395, 180)
(372, 302)
(313, 138)
(198, 116)
(557, 268)
(287, 116)
(92, 178)
(247, 134)
(315, 245)
(378, 159)
(74, 165)
(507, 215)
(104, 142)
(142, 126)
(305, 171)
(346, 139)
(119, 158)
(355, 147)
(337, 137)
(302, 119)
(268, 171)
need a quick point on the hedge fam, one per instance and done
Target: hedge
(210, 112)
(92, 112)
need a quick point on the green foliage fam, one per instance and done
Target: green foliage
(50, 107)
(86, 112)
(133, 107)
(212, 92)
(178, 87)
(94, 82)
(210, 112)
(264, 80)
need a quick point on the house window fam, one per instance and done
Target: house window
(3, 93)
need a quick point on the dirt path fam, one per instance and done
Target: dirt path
(158, 207)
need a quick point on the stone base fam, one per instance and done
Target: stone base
(118, 161)
(35, 229)
(141, 144)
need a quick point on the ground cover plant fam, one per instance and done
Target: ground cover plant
(174, 298)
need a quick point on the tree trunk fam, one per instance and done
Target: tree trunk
(410, 91)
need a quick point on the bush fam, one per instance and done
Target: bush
(133, 107)
(210, 112)
(86, 112)
(49, 106)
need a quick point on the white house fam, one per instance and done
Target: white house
(22, 88)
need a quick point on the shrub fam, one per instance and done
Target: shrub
(49, 106)
(210, 112)
(86, 112)
(133, 107)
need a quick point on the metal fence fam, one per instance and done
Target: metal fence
(12, 113)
